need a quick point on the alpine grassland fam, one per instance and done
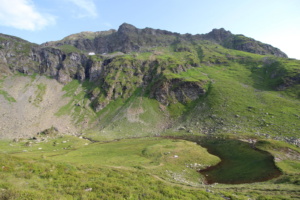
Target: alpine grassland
(142, 168)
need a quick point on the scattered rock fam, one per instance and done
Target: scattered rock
(181, 128)
(88, 189)
(190, 131)
(16, 140)
(207, 190)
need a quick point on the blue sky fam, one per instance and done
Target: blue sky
(276, 22)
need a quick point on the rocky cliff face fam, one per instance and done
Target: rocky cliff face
(21, 56)
(176, 90)
(120, 78)
(131, 39)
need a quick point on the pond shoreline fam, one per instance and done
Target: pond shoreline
(267, 159)
(241, 162)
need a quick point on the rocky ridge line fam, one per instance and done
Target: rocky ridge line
(128, 38)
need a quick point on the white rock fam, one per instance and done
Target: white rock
(88, 189)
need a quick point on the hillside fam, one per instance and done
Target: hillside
(151, 82)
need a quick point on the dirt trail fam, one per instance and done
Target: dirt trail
(36, 102)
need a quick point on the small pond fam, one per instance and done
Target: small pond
(240, 162)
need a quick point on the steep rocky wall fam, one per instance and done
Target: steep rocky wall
(120, 78)
(24, 57)
(176, 90)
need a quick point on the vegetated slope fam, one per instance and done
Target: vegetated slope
(159, 81)
(147, 168)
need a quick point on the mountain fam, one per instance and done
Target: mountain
(144, 82)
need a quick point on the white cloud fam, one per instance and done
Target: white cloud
(22, 14)
(88, 6)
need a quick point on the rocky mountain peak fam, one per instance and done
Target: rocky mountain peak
(126, 28)
(219, 34)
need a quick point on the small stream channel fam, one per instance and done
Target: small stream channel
(240, 162)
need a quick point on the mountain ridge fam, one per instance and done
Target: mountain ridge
(129, 32)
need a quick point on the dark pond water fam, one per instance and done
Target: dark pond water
(240, 162)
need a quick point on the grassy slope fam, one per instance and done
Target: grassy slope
(144, 168)
(79, 105)
(241, 96)
(117, 170)
(239, 107)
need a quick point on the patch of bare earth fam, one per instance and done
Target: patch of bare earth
(37, 101)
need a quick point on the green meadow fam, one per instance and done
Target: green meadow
(67, 167)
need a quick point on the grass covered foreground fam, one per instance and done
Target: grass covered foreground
(145, 168)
